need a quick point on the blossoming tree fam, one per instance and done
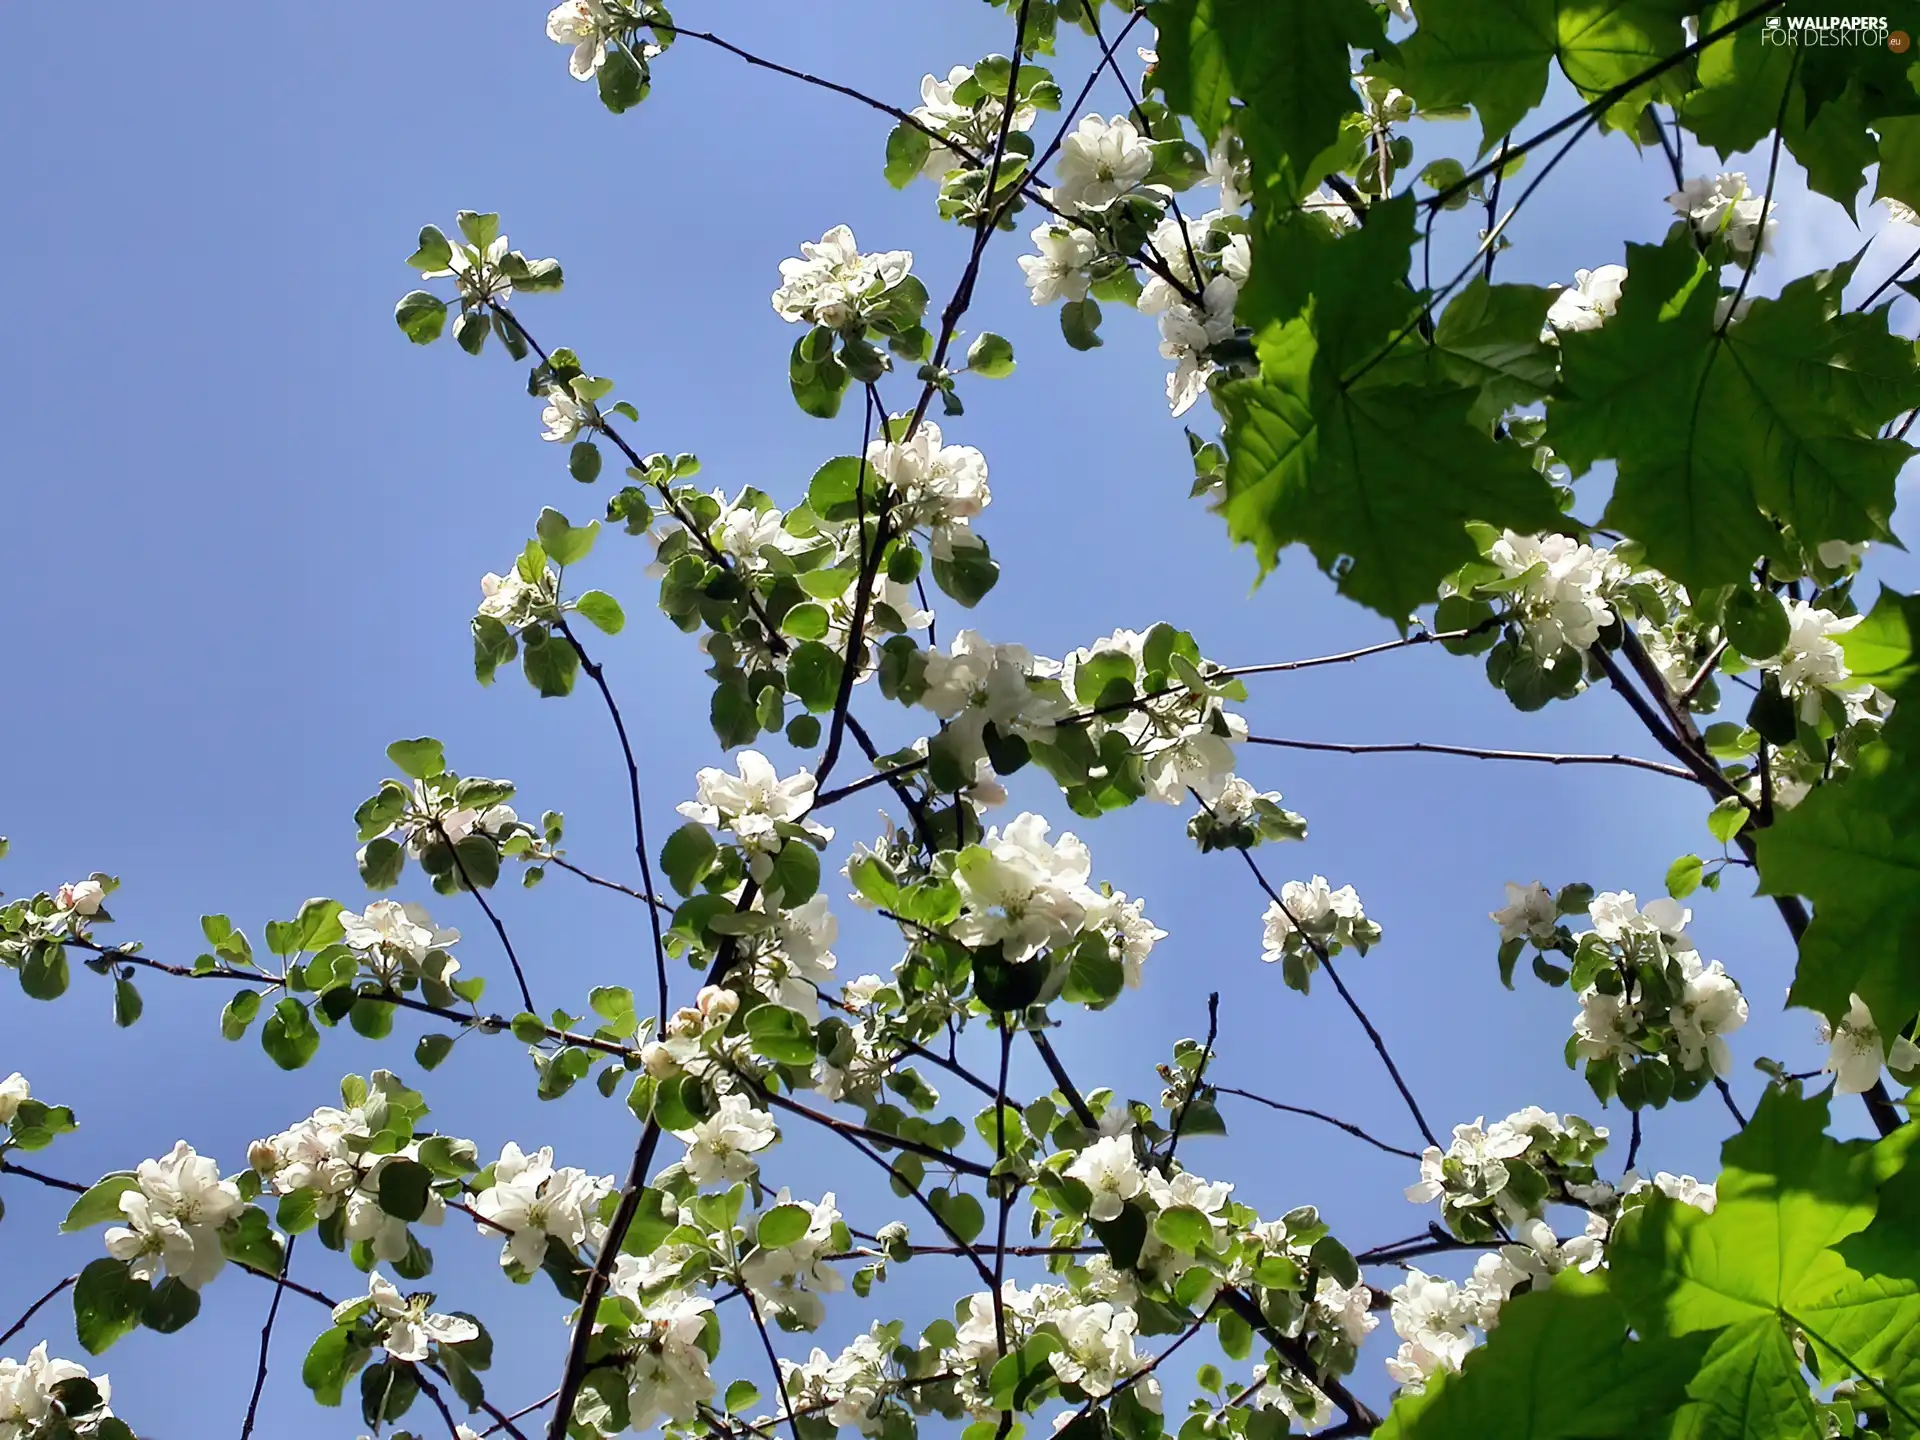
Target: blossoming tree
(1252, 180)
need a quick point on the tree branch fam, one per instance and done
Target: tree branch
(1351, 1129)
(1421, 747)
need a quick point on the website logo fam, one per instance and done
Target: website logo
(1856, 32)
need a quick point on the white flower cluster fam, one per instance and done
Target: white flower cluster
(31, 1400)
(974, 684)
(1063, 268)
(1857, 1050)
(1812, 664)
(406, 1324)
(1563, 603)
(850, 1390)
(1026, 894)
(1097, 1342)
(1726, 206)
(1503, 1175)
(720, 1149)
(533, 1203)
(327, 1155)
(1196, 308)
(1242, 817)
(670, 1343)
(1311, 918)
(763, 811)
(832, 283)
(1100, 162)
(936, 486)
(1529, 914)
(174, 1215)
(515, 599)
(394, 939)
(1436, 1319)
(972, 126)
(1697, 1003)
(1184, 739)
(1594, 297)
(789, 1279)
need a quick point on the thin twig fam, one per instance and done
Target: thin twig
(34, 1309)
(1199, 1077)
(466, 880)
(266, 1337)
(1421, 747)
(1351, 1129)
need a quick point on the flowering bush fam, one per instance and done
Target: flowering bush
(1423, 441)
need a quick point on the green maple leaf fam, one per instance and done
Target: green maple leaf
(1824, 97)
(1604, 1384)
(1737, 429)
(1377, 477)
(1899, 160)
(1488, 339)
(1852, 847)
(1495, 55)
(1286, 60)
(1764, 1264)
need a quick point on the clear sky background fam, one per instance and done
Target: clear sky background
(244, 523)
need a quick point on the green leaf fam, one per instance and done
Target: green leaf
(470, 331)
(1773, 420)
(1379, 480)
(418, 759)
(796, 874)
(817, 383)
(170, 1306)
(107, 1302)
(239, 1014)
(331, 1362)
(1728, 819)
(1494, 54)
(380, 863)
(421, 316)
(387, 1391)
(289, 1036)
(990, 357)
(1756, 622)
(100, 1205)
(623, 81)
(1080, 323)
(430, 1050)
(584, 461)
(404, 1186)
(781, 1035)
(908, 148)
(1184, 1228)
(565, 544)
(1683, 876)
(813, 675)
(1286, 59)
(126, 1002)
(1852, 847)
(603, 610)
(1604, 1384)
(435, 252)
(550, 665)
(961, 1213)
(1488, 339)
(44, 974)
(688, 855)
(967, 573)
(782, 1225)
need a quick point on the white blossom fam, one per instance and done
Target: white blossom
(1100, 161)
(532, 1201)
(790, 1279)
(584, 25)
(1726, 205)
(1857, 1052)
(1710, 1008)
(14, 1092)
(720, 1149)
(28, 1395)
(668, 1376)
(1110, 1172)
(408, 1327)
(1563, 604)
(1060, 270)
(81, 898)
(1529, 914)
(565, 416)
(174, 1217)
(754, 804)
(831, 282)
(1812, 660)
(1188, 333)
(1021, 892)
(1594, 297)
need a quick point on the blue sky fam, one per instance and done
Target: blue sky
(245, 523)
